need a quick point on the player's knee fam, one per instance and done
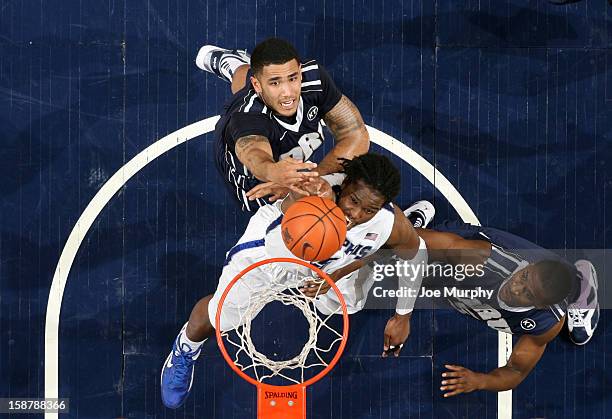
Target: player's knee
(239, 78)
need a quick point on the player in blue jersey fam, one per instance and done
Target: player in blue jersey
(534, 292)
(272, 124)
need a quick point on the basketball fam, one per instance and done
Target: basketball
(314, 228)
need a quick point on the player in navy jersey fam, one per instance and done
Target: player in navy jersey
(273, 123)
(534, 292)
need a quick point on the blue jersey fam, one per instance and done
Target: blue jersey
(298, 137)
(509, 253)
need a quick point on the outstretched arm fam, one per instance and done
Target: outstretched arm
(406, 244)
(352, 138)
(255, 153)
(525, 355)
(404, 241)
(454, 249)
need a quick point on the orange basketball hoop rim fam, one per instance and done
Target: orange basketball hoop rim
(278, 401)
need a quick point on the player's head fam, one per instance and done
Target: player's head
(371, 182)
(539, 285)
(277, 75)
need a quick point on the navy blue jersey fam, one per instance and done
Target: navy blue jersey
(298, 137)
(509, 253)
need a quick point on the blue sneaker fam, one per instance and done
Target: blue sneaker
(221, 62)
(420, 213)
(583, 314)
(177, 374)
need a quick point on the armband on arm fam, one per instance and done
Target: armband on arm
(411, 278)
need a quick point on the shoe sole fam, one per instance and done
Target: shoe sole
(595, 284)
(592, 270)
(200, 60)
(202, 53)
(428, 207)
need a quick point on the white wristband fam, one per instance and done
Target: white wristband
(403, 312)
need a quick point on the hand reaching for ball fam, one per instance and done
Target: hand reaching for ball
(274, 191)
(314, 187)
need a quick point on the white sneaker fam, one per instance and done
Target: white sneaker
(420, 213)
(583, 315)
(221, 62)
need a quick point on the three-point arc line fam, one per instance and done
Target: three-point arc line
(142, 159)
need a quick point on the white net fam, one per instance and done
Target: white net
(281, 285)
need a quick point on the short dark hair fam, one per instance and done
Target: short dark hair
(376, 171)
(556, 279)
(272, 51)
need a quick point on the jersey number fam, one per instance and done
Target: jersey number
(481, 311)
(308, 143)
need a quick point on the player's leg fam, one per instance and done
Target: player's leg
(583, 314)
(199, 326)
(177, 372)
(240, 77)
(178, 369)
(230, 65)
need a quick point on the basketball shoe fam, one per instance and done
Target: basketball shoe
(222, 62)
(177, 373)
(583, 315)
(420, 213)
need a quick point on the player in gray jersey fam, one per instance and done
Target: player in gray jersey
(534, 293)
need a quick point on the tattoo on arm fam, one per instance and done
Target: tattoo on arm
(344, 119)
(254, 152)
(244, 144)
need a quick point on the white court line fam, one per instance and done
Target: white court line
(504, 340)
(120, 178)
(80, 230)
